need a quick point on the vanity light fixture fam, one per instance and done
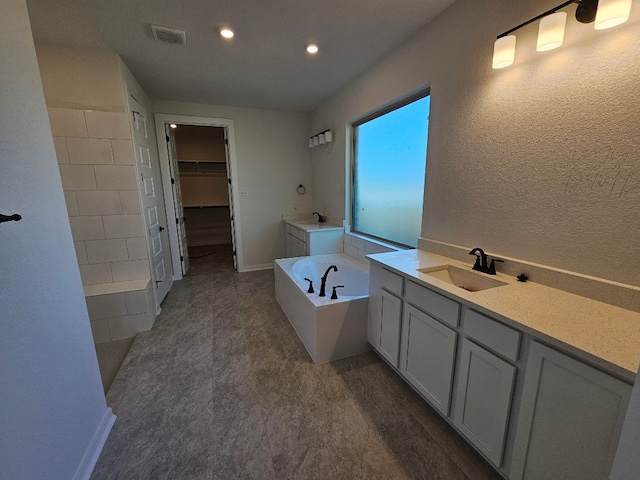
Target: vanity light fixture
(321, 138)
(226, 32)
(311, 48)
(606, 13)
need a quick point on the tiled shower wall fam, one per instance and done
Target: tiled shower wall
(97, 165)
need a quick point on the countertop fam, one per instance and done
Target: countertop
(310, 225)
(602, 334)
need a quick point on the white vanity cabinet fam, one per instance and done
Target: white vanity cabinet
(312, 239)
(570, 419)
(486, 379)
(385, 312)
(428, 356)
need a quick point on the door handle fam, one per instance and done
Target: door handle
(160, 228)
(10, 218)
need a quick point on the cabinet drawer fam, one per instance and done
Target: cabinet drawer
(391, 282)
(433, 303)
(490, 333)
(296, 232)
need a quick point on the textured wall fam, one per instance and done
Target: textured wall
(538, 161)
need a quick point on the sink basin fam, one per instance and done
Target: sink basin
(465, 279)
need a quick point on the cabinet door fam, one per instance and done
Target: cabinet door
(288, 241)
(570, 419)
(428, 356)
(390, 320)
(375, 299)
(483, 399)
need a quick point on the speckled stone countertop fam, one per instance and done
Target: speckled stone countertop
(310, 225)
(599, 333)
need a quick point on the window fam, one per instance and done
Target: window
(390, 159)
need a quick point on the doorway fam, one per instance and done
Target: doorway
(198, 165)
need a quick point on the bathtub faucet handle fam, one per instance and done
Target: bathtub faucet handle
(310, 290)
(334, 295)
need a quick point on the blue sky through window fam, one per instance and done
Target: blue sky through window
(391, 153)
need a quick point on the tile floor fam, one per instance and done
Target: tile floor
(221, 388)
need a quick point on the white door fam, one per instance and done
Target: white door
(177, 198)
(155, 219)
(231, 209)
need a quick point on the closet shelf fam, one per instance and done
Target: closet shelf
(206, 206)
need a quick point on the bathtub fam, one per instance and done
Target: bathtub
(329, 329)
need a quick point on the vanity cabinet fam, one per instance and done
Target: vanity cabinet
(428, 356)
(390, 323)
(300, 242)
(483, 399)
(385, 312)
(570, 419)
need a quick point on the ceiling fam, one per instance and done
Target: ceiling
(264, 66)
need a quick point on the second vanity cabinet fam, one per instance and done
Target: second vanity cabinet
(531, 410)
(302, 241)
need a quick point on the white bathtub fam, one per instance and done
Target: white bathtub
(329, 329)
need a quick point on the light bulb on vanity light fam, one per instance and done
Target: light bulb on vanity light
(612, 13)
(316, 142)
(321, 139)
(551, 31)
(328, 136)
(504, 51)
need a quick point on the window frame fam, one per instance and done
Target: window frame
(353, 128)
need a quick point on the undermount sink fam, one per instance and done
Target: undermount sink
(465, 279)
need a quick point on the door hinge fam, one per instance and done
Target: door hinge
(229, 180)
(173, 182)
(226, 142)
(181, 258)
(177, 221)
(167, 137)
(234, 253)
(231, 218)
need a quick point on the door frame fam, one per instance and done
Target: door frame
(232, 165)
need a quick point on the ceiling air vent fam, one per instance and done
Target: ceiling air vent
(169, 35)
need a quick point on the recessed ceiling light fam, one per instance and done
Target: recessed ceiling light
(312, 48)
(173, 125)
(226, 32)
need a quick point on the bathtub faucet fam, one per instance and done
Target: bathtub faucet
(323, 283)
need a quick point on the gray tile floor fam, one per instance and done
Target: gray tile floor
(221, 388)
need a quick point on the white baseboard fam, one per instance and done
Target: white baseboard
(255, 268)
(91, 454)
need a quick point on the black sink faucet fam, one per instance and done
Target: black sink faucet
(482, 260)
(320, 217)
(323, 283)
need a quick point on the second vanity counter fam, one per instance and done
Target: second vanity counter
(596, 332)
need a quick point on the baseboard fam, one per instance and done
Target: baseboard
(91, 454)
(255, 268)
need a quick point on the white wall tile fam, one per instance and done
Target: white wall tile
(137, 248)
(77, 177)
(123, 153)
(89, 151)
(106, 306)
(123, 226)
(98, 203)
(116, 177)
(347, 238)
(72, 203)
(87, 228)
(128, 326)
(81, 253)
(350, 250)
(129, 201)
(96, 274)
(131, 270)
(103, 251)
(100, 331)
(92, 290)
(66, 122)
(136, 302)
(62, 154)
(358, 242)
(107, 124)
(362, 256)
